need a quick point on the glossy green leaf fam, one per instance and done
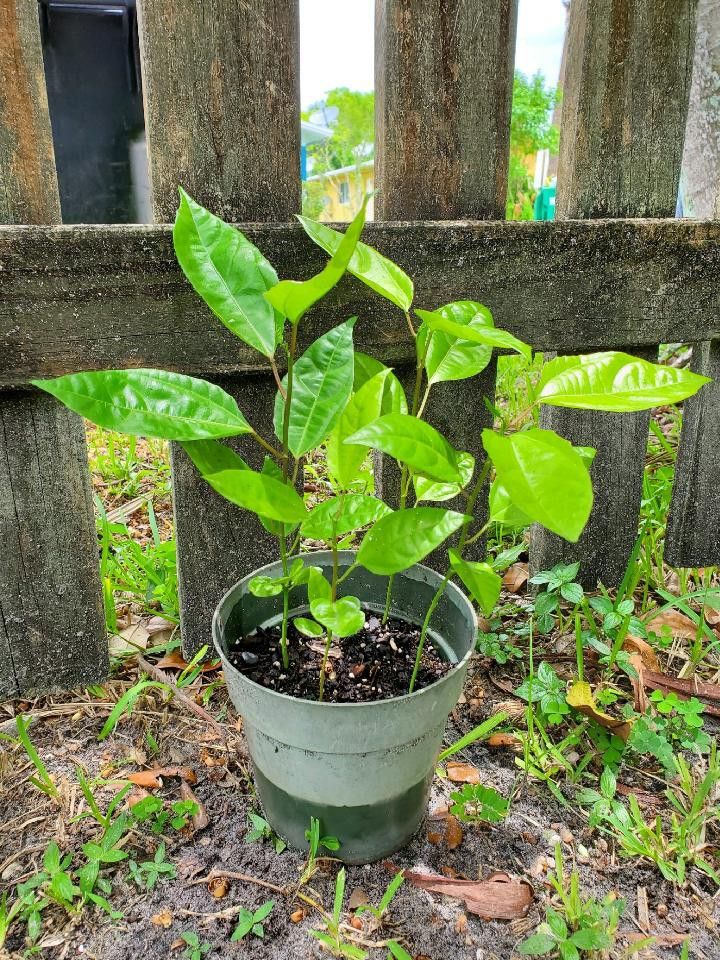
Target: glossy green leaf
(150, 403)
(614, 381)
(446, 356)
(340, 515)
(502, 508)
(322, 381)
(228, 272)
(430, 490)
(271, 469)
(343, 618)
(380, 274)
(480, 579)
(211, 456)
(489, 336)
(405, 537)
(318, 587)
(308, 628)
(345, 460)
(413, 442)
(294, 297)
(262, 586)
(394, 399)
(545, 477)
(259, 493)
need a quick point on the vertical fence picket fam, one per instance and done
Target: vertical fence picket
(52, 628)
(626, 93)
(443, 82)
(222, 110)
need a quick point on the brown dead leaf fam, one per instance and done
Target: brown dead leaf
(503, 741)
(211, 759)
(461, 924)
(175, 661)
(162, 919)
(132, 638)
(297, 916)
(453, 832)
(636, 645)
(679, 624)
(644, 797)
(358, 898)
(462, 773)
(150, 779)
(136, 796)
(580, 698)
(712, 617)
(500, 897)
(200, 819)
(515, 577)
(219, 887)
(356, 923)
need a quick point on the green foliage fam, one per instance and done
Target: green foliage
(332, 937)
(261, 830)
(546, 690)
(341, 618)
(645, 738)
(332, 518)
(481, 581)
(681, 721)
(602, 802)
(316, 840)
(474, 803)
(447, 356)
(146, 874)
(559, 583)
(381, 909)
(488, 336)
(405, 537)
(530, 130)
(43, 781)
(497, 647)
(251, 921)
(196, 949)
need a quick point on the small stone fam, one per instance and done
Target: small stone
(372, 624)
(551, 838)
(249, 658)
(583, 854)
(566, 836)
(661, 910)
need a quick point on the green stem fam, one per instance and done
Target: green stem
(286, 602)
(328, 642)
(278, 454)
(474, 494)
(426, 623)
(288, 400)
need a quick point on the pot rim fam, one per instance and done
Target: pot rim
(343, 555)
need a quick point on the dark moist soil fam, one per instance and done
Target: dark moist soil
(375, 664)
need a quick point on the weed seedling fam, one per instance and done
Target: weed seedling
(397, 952)
(477, 804)
(147, 874)
(381, 909)
(332, 937)
(261, 830)
(43, 781)
(195, 949)
(252, 921)
(315, 841)
(560, 583)
(546, 690)
(602, 803)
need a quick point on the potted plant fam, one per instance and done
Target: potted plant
(345, 664)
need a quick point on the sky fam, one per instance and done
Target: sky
(336, 43)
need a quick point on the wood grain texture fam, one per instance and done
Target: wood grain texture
(74, 298)
(222, 106)
(626, 94)
(692, 537)
(220, 79)
(28, 182)
(52, 627)
(443, 82)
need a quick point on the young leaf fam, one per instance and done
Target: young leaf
(294, 297)
(489, 336)
(308, 628)
(394, 399)
(322, 381)
(380, 274)
(342, 618)
(545, 477)
(259, 493)
(333, 518)
(430, 490)
(413, 442)
(228, 272)
(318, 587)
(502, 508)
(614, 381)
(150, 403)
(480, 579)
(262, 586)
(447, 357)
(211, 456)
(364, 406)
(405, 537)
(537, 945)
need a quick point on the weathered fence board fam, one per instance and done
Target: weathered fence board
(627, 86)
(52, 628)
(104, 297)
(222, 88)
(444, 80)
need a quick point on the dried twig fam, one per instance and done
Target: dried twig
(243, 877)
(181, 697)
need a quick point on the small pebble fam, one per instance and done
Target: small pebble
(551, 838)
(566, 836)
(372, 624)
(661, 910)
(583, 855)
(249, 658)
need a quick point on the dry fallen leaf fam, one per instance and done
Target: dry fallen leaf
(150, 779)
(679, 624)
(503, 741)
(136, 796)
(462, 773)
(500, 897)
(580, 698)
(636, 645)
(515, 577)
(358, 898)
(162, 919)
(297, 916)
(219, 887)
(356, 923)
(200, 818)
(132, 638)
(453, 832)
(461, 924)
(175, 661)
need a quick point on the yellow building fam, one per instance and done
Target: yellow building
(342, 191)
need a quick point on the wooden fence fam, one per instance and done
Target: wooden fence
(222, 105)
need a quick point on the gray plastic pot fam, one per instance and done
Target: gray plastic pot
(363, 769)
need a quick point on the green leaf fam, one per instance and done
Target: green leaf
(405, 537)
(545, 477)
(150, 403)
(211, 456)
(502, 508)
(394, 399)
(446, 356)
(342, 618)
(259, 493)
(228, 272)
(380, 274)
(487, 335)
(294, 297)
(475, 802)
(308, 628)
(262, 586)
(364, 406)
(591, 938)
(340, 515)
(614, 381)
(318, 587)
(322, 381)
(480, 579)
(572, 592)
(430, 490)
(537, 945)
(413, 442)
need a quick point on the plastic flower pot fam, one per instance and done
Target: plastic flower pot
(363, 769)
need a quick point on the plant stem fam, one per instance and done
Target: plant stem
(278, 454)
(328, 642)
(286, 602)
(278, 381)
(474, 494)
(288, 399)
(426, 623)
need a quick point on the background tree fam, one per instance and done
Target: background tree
(531, 129)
